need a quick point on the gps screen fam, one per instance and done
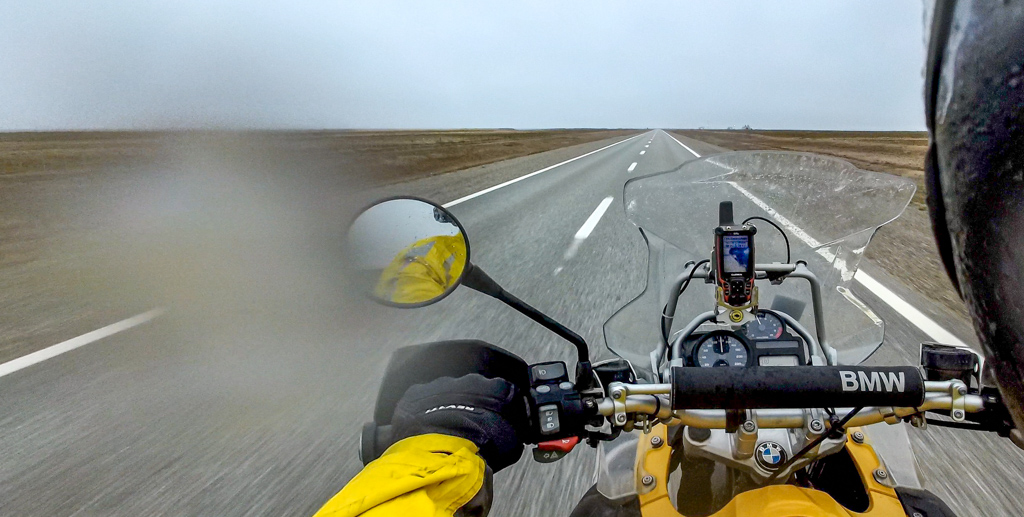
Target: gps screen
(735, 253)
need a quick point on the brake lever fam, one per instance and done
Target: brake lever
(994, 418)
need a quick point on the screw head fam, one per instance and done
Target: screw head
(858, 437)
(656, 441)
(647, 480)
(958, 414)
(817, 426)
(961, 390)
(749, 426)
(881, 474)
(917, 514)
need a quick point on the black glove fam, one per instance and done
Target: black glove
(485, 411)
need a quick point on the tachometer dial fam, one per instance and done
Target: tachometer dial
(720, 349)
(765, 326)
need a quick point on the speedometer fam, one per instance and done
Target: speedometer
(765, 326)
(720, 349)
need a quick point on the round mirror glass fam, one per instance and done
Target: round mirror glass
(407, 252)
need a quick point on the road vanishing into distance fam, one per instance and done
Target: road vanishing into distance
(250, 402)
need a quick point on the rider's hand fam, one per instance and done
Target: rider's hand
(484, 411)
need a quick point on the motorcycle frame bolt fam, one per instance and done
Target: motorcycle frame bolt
(858, 437)
(647, 480)
(817, 426)
(961, 390)
(656, 441)
(958, 414)
(749, 426)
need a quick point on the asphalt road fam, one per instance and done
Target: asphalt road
(246, 396)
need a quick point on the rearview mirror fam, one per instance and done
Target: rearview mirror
(407, 252)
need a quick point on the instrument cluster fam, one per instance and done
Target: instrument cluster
(765, 341)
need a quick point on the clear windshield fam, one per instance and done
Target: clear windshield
(829, 209)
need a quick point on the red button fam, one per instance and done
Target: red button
(563, 445)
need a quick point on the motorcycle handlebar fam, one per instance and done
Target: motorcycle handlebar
(796, 387)
(780, 418)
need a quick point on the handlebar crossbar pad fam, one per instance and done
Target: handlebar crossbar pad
(796, 387)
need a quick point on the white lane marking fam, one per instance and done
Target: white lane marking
(646, 146)
(631, 167)
(901, 306)
(926, 324)
(571, 252)
(793, 228)
(53, 351)
(586, 229)
(642, 153)
(592, 221)
(684, 145)
(530, 175)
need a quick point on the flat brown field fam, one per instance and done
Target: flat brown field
(896, 152)
(905, 248)
(377, 157)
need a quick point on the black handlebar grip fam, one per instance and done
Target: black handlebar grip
(796, 387)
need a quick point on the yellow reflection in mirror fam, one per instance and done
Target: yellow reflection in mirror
(423, 271)
(414, 251)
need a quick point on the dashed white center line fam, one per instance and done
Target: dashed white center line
(642, 153)
(631, 167)
(585, 230)
(594, 218)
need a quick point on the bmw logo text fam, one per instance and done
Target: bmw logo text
(770, 455)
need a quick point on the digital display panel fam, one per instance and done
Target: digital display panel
(777, 344)
(735, 253)
(778, 360)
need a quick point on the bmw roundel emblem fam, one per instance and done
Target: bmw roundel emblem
(770, 455)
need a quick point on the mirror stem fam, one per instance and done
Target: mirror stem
(475, 278)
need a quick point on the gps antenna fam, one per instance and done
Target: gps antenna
(725, 213)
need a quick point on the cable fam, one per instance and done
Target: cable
(835, 430)
(751, 218)
(665, 324)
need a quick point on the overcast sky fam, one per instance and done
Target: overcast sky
(381, 64)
